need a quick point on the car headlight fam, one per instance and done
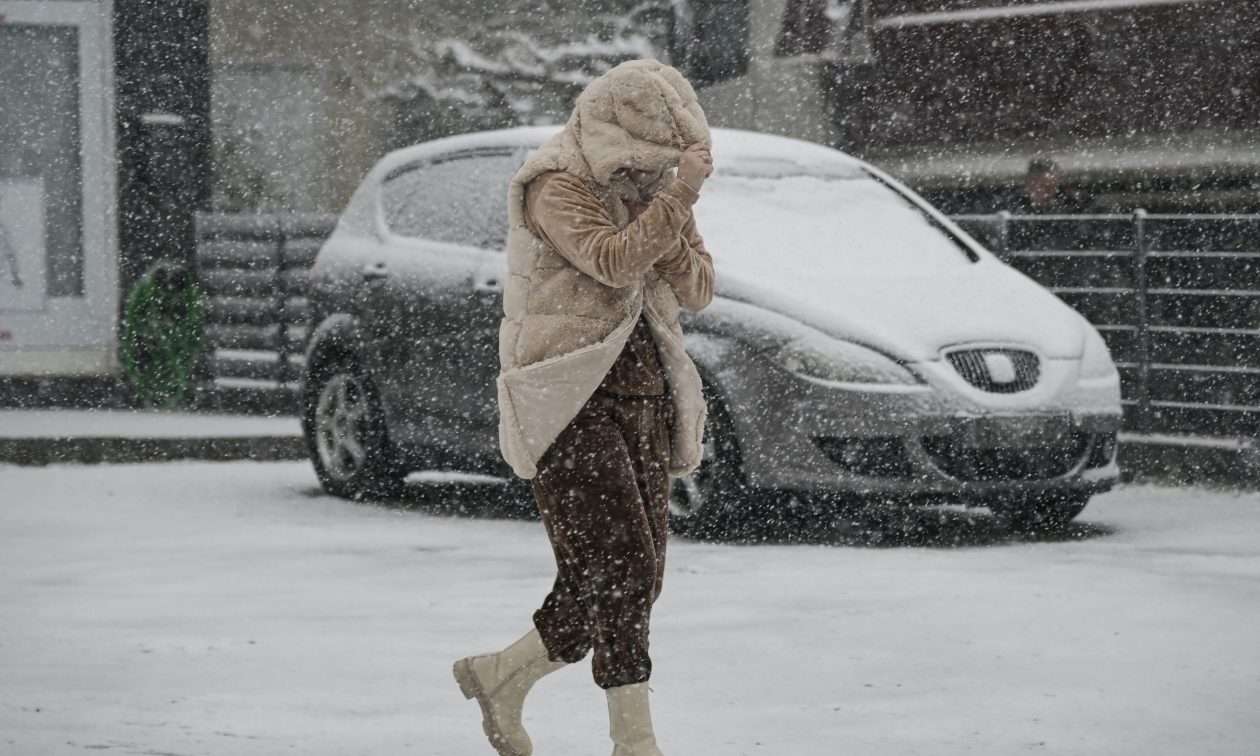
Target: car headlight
(1096, 359)
(835, 361)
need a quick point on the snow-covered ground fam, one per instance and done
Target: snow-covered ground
(233, 609)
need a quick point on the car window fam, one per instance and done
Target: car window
(458, 200)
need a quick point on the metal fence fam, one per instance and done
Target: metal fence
(254, 270)
(1177, 298)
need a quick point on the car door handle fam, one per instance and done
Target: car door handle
(490, 285)
(375, 271)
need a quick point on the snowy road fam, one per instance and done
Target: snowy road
(232, 609)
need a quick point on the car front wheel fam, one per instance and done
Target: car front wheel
(345, 433)
(711, 502)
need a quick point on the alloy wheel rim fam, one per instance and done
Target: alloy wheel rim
(340, 432)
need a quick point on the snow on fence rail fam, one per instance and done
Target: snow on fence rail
(254, 272)
(1177, 297)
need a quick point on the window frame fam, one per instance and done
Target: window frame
(77, 333)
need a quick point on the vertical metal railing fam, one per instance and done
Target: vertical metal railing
(1182, 315)
(1141, 293)
(280, 302)
(1004, 234)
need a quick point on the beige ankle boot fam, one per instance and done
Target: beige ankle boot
(499, 682)
(630, 721)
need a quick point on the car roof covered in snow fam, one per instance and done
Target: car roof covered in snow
(753, 152)
(728, 143)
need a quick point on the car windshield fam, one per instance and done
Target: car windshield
(771, 218)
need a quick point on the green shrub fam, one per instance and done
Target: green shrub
(163, 322)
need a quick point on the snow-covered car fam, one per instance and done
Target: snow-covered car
(859, 345)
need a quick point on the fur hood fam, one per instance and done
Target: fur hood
(640, 114)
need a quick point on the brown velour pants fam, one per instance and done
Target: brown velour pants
(603, 491)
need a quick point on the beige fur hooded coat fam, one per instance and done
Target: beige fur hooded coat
(566, 321)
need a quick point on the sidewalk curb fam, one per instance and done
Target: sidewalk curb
(1141, 458)
(103, 449)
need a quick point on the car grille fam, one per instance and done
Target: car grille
(1011, 463)
(973, 365)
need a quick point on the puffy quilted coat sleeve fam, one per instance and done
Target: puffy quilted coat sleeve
(689, 272)
(568, 216)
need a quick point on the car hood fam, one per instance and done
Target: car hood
(914, 318)
(848, 255)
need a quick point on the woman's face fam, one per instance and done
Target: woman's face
(637, 176)
(636, 184)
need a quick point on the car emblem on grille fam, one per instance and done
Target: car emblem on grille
(997, 369)
(1001, 368)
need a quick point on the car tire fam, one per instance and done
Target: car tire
(1045, 512)
(345, 431)
(712, 502)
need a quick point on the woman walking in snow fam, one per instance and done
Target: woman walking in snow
(599, 403)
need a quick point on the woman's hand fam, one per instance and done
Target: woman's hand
(695, 165)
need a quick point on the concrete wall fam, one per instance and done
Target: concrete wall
(296, 122)
(778, 95)
(294, 127)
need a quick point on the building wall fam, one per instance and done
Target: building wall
(162, 103)
(294, 129)
(302, 103)
(1144, 104)
(776, 94)
(1141, 103)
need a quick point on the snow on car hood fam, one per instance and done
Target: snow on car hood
(913, 319)
(849, 256)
